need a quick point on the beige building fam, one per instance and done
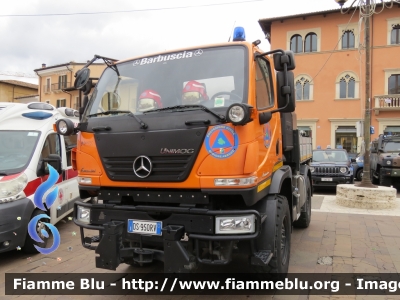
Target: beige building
(13, 90)
(57, 83)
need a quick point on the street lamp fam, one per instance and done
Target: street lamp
(367, 9)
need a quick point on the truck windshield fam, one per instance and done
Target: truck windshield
(16, 149)
(392, 147)
(329, 156)
(212, 77)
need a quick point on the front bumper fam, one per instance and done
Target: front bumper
(390, 172)
(183, 228)
(14, 219)
(326, 181)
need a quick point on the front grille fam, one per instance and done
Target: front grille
(164, 168)
(334, 171)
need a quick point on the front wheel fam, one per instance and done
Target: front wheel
(29, 246)
(359, 174)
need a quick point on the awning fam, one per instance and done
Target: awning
(392, 129)
(305, 128)
(346, 129)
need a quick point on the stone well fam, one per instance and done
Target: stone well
(353, 196)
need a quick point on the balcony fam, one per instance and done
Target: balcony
(386, 103)
(58, 87)
(46, 89)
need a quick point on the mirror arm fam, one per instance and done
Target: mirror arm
(270, 52)
(108, 61)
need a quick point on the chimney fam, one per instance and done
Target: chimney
(43, 65)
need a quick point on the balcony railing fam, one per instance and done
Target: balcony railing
(47, 89)
(58, 87)
(387, 103)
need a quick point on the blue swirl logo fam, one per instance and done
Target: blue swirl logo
(33, 227)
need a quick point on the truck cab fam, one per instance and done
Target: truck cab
(192, 154)
(28, 143)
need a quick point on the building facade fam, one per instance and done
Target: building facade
(12, 90)
(56, 83)
(330, 72)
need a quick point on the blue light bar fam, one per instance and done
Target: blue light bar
(37, 115)
(238, 34)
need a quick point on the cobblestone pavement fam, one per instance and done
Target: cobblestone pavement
(344, 242)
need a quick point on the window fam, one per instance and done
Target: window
(62, 82)
(61, 103)
(51, 146)
(47, 86)
(296, 44)
(263, 84)
(395, 35)
(347, 87)
(348, 40)
(303, 89)
(394, 84)
(310, 43)
(70, 143)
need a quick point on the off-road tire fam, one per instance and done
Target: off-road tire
(385, 180)
(29, 243)
(374, 180)
(359, 174)
(279, 263)
(305, 216)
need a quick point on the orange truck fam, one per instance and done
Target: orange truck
(191, 156)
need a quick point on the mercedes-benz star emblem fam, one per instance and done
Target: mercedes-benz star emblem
(198, 52)
(142, 166)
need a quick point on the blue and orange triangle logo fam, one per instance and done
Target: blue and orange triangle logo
(221, 141)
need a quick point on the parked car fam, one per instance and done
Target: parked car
(330, 167)
(358, 167)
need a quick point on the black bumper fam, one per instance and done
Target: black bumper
(14, 219)
(321, 181)
(115, 242)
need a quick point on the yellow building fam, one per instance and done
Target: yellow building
(12, 90)
(330, 72)
(57, 83)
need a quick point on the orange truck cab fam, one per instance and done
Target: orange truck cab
(191, 155)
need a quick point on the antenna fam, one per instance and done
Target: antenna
(232, 31)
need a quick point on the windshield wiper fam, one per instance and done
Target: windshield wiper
(143, 125)
(202, 107)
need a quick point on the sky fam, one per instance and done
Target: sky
(76, 30)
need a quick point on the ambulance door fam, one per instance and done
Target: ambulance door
(71, 191)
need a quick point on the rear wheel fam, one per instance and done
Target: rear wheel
(305, 216)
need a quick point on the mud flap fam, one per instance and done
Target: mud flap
(109, 246)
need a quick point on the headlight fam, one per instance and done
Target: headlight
(343, 170)
(65, 127)
(388, 162)
(235, 224)
(235, 181)
(83, 214)
(84, 180)
(238, 114)
(312, 169)
(12, 190)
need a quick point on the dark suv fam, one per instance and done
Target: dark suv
(330, 167)
(385, 160)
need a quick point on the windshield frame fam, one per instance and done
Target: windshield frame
(28, 156)
(240, 71)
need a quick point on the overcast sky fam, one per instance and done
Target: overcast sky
(150, 26)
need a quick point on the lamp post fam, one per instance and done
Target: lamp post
(367, 9)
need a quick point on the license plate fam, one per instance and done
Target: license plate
(326, 179)
(144, 227)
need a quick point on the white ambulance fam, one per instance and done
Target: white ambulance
(27, 144)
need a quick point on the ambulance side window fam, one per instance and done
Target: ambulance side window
(51, 146)
(70, 142)
(264, 91)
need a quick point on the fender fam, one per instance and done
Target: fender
(277, 179)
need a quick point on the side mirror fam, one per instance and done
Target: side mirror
(280, 59)
(54, 160)
(82, 78)
(284, 90)
(353, 160)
